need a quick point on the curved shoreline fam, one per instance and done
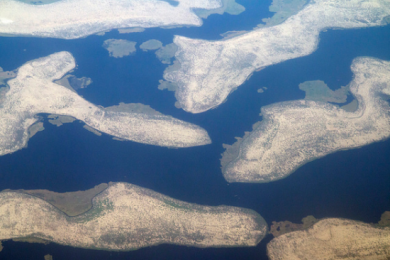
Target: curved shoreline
(293, 133)
(178, 223)
(211, 70)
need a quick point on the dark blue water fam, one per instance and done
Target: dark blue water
(351, 184)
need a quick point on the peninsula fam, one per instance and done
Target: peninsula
(295, 132)
(331, 239)
(208, 71)
(71, 19)
(33, 92)
(128, 217)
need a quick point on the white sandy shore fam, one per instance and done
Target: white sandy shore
(33, 92)
(128, 217)
(296, 132)
(211, 70)
(70, 19)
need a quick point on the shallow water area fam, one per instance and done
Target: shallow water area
(351, 184)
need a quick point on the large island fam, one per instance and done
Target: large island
(71, 19)
(33, 91)
(206, 72)
(296, 132)
(333, 239)
(128, 217)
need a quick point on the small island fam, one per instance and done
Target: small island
(151, 45)
(330, 239)
(126, 217)
(119, 48)
(293, 133)
(33, 91)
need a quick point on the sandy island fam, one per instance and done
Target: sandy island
(33, 91)
(296, 132)
(331, 239)
(70, 19)
(208, 71)
(128, 217)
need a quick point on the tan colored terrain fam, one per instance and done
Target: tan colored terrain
(332, 239)
(296, 132)
(210, 70)
(71, 19)
(128, 217)
(33, 92)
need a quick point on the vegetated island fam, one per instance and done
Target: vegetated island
(295, 132)
(71, 19)
(151, 45)
(210, 70)
(330, 239)
(228, 6)
(128, 217)
(119, 48)
(33, 92)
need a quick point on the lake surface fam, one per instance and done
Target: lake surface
(352, 184)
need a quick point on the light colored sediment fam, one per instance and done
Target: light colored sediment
(119, 48)
(70, 19)
(128, 217)
(296, 132)
(332, 239)
(33, 92)
(210, 70)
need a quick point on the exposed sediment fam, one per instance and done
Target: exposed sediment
(33, 92)
(210, 70)
(296, 132)
(71, 19)
(333, 239)
(128, 217)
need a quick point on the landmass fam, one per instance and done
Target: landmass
(127, 217)
(210, 70)
(71, 19)
(33, 92)
(330, 239)
(119, 48)
(262, 89)
(48, 257)
(166, 53)
(151, 45)
(228, 6)
(282, 9)
(295, 132)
